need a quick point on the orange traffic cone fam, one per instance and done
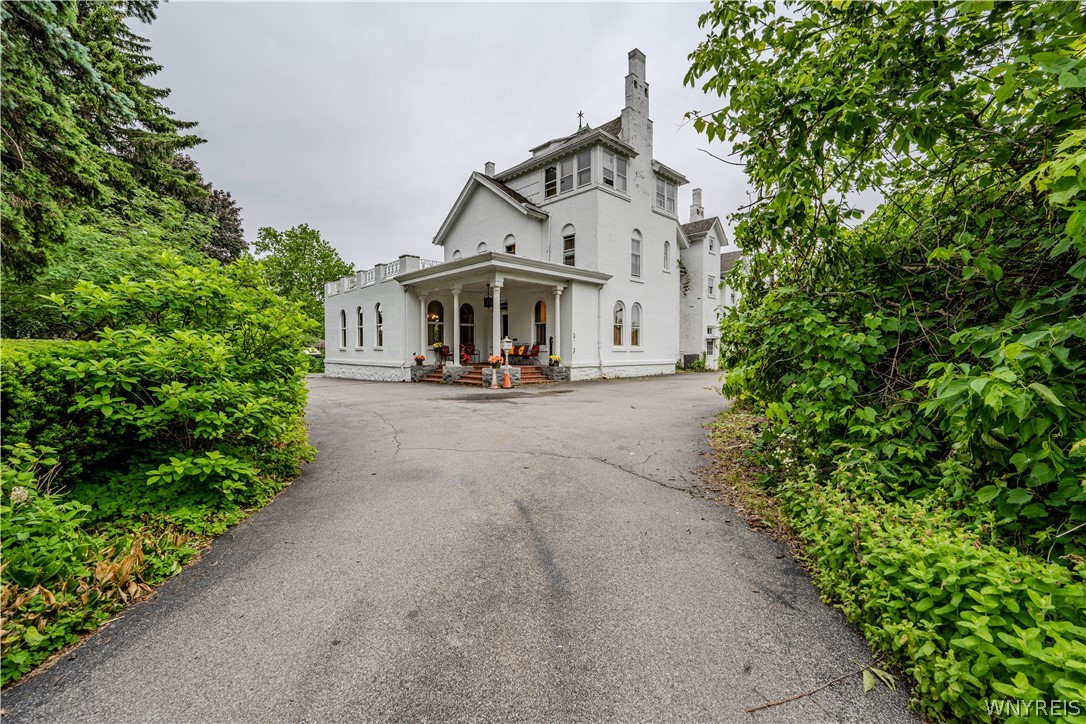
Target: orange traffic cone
(507, 383)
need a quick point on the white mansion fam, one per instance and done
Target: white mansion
(576, 252)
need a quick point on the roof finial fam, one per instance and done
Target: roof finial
(580, 120)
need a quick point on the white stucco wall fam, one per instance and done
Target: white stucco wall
(488, 219)
(395, 305)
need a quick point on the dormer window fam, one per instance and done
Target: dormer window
(614, 171)
(665, 195)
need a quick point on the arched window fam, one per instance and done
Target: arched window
(510, 244)
(635, 254)
(541, 322)
(620, 312)
(457, 255)
(467, 324)
(361, 333)
(343, 328)
(569, 245)
(481, 249)
(635, 325)
(380, 325)
(667, 256)
(435, 322)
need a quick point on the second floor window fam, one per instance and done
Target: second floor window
(665, 195)
(635, 256)
(712, 286)
(667, 255)
(550, 182)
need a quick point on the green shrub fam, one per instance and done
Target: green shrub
(968, 621)
(35, 406)
(186, 409)
(203, 369)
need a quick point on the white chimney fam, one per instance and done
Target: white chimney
(636, 126)
(489, 168)
(697, 213)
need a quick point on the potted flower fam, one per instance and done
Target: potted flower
(494, 360)
(554, 360)
(419, 359)
(437, 346)
(465, 358)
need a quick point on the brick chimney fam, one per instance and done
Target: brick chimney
(488, 169)
(697, 213)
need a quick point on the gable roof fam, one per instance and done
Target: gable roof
(700, 227)
(478, 180)
(729, 259)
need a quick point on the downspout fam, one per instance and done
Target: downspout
(405, 375)
(599, 330)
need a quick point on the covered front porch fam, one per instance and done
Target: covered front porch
(468, 306)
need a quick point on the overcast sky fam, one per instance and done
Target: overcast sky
(364, 120)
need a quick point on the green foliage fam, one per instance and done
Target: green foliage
(968, 621)
(923, 369)
(204, 368)
(35, 403)
(81, 129)
(946, 331)
(297, 263)
(184, 411)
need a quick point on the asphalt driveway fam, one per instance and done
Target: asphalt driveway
(459, 554)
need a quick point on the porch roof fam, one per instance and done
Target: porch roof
(492, 265)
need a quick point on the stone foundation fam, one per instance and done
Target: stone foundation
(514, 376)
(556, 374)
(374, 373)
(420, 371)
(452, 373)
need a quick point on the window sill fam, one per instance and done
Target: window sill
(566, 195)
(342, 349)
(614, 192)
(669, 214)
(378, 349)
(637, 280)
(619, 349)
(667, 271)
(358, 349)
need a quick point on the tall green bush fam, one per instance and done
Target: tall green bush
(122, 453)
(204, 368)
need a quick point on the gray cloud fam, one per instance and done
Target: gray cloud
(364, 120)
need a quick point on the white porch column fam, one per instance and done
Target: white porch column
(422, 325)
(455, 319)
(557, 320)
(496, 319)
